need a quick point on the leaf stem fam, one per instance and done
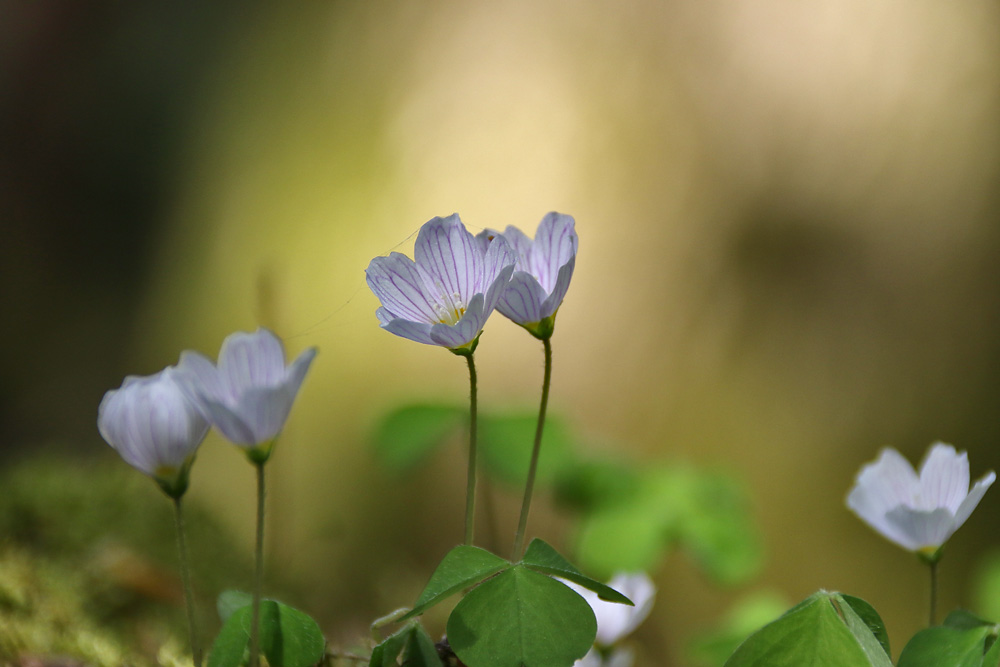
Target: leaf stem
(470, 489)
(258, 570)
(186, 579)
(522, 523)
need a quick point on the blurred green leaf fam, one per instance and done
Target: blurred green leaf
(461, 567)
(407, 435)
(823, 630)
(521, 618)
(587, 486)
(986, 585)
(542, 557)
(229, 601)
(702, 512)
(712, 648)
(505, 443)
(946, 646)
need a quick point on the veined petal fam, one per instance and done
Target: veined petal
(944, 478)
(888, 483)
(199, 379)
(972, 500)
(151, 423)
(296, 372)
(231, 423)
(555, 244)
(521, 301)
(249, 360)
(499, 265)
(521, 244)
(555, 298)
(264, 410)
(417, 331)
(465, 330)
(451, 258)
(400, 286)
(918, 529)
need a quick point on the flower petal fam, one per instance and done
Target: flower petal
(972, 500)
(199, 379)
(555, 244)
(521, 244)
(616, 621)
(249, 360)
(522, 299)
(944, 478)
(231, 423)
(498, 266)
(451, 258)
(417, 331)
(400, 286)
(918, 529)
(555, 298)
(465, 330)
(883, 485)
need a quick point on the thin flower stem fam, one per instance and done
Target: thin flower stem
(522, 523)
(258, 572)
(470, 489)
(186, 579)
(933, 565)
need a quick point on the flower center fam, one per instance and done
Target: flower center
(451, 309)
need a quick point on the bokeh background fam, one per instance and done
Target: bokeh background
(788, 217)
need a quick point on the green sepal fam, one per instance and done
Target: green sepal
(822, 630)
(467, 349)
(461, 567)
(176, 485)
(542, 330)
(259, 454)
(288, 637)
(542, 557)
(521, 618)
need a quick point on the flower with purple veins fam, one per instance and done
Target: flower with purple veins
(249, 395)
(154, 427)
(919, 513)
(445, 294)
(543, 272)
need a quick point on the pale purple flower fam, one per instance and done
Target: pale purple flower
(543, 272)
(249, 394)
(445, 296)
(917, 513)
(619, 657)
(154, 427)
(615, 621)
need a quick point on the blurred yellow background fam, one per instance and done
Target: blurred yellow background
(788, 239)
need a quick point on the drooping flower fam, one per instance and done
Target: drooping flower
(445, 294)
(616, 621)
(917, 513)
(543, 272)
(154, 427)
(249, 394)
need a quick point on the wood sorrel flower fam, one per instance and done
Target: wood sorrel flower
(249, 394)
(541, 277)
(154, 427)
(917, 513)
(445, 296)
(616, 621)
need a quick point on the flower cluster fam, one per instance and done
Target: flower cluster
(446, 293)
(157, 423)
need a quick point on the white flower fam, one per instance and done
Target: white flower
(249, 394)
(917, 513)
(543, 272)
(154, 427)
(619, 657)
(615, 621)
(446, 295)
